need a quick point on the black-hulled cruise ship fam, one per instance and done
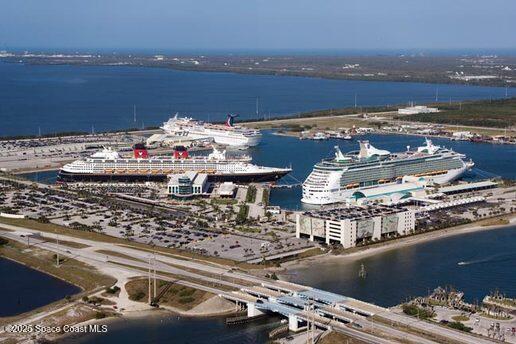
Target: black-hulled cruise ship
(108, 166)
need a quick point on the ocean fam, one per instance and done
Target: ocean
(57, 98)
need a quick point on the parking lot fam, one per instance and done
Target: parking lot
(202, 230)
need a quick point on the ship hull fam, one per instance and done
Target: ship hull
(69, 177)
(249, 141)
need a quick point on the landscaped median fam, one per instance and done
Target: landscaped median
(178, 298)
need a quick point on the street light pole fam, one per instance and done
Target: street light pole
(57, 253)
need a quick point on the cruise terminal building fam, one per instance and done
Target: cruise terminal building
(353, 225)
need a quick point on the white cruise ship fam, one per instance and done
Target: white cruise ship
(109, 166)
(225, 134)
(335, 180)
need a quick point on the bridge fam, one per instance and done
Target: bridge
(306, 307)
(302, 305)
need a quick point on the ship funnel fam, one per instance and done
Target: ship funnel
(364, 145)
(140, 151)
(338, 154)
(367, 151)
(180, 152)
(230, 120)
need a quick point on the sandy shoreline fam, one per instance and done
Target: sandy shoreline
(392, 245)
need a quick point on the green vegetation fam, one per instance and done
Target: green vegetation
(113, 290)
(177, 296)
(3, 241)
(187, 299)
(247, 229)
(137, 296)
(100, 315)
(71, 270)
(459, 326)
(242, 214)
(226, 201)
(460, 318)
(265, 197)
(339, 338)
(329, 118)
(499, 113)
(250, 196)
(416, 311)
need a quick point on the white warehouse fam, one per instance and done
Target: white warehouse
(353, 225)
(413, 110)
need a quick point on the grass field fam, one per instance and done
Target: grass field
(70, 270)
(178, 296)
(339, 338)
(499, 113)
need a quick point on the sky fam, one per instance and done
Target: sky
(255, 24)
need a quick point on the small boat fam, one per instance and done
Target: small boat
(319, 136)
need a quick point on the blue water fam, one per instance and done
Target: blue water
(392, 276)
(490, 160)
(24, 289)
(73, 98)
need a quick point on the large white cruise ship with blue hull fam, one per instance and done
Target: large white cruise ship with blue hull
(335, 180)
(226, 134)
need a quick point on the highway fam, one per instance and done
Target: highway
(218, 279)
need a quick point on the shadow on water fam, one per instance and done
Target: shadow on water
(181, 330)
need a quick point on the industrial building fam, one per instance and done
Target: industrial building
(226, 189)
(467, 187)
(187, 185)
(413, 110)
(353, 225)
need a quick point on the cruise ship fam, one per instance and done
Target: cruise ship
(224, 134)
(335, 180)
(109, 166)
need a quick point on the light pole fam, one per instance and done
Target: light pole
(57, 252)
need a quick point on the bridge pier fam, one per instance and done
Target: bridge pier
(252, 310)
(293, 323)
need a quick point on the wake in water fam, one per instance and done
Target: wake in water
(501, 257)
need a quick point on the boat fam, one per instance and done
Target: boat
(319, 136)
(342, 136)
(108, 165)
(227, 134)
(337, 179)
